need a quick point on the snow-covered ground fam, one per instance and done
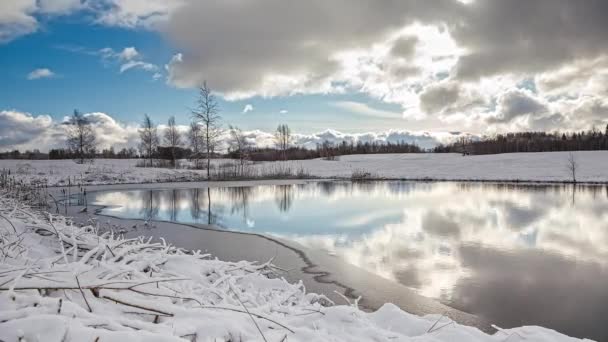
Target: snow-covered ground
(61, 282)
(549, 166)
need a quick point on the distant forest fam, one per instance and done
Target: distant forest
(501, 143)
(325, 150)
(592, 140)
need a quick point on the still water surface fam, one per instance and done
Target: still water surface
(514, 254)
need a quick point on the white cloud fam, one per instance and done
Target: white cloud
(59, 6)
(283, 111)
(129, 53)
(24, 131)
(248, 108)
(138, 65)
(136, 13)
(110, 132)
(16, 19)
(128, 58)
(40, 73)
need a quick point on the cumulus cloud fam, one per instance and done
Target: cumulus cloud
(19, 17)
(515, 103)
(110, 132)
(16, 19)
(40, 73)
(129, 53)
(24, 131)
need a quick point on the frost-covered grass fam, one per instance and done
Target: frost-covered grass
(546, 166)
(63, 282)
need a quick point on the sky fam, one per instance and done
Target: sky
(423, 71)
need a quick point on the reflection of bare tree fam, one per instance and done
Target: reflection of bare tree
(283, 196)
(200, 199)
(327, 188)
(150, 204)
(573, 194)
(364, 186)
(239, 199)
(195, 206)
(213, 213)
(173, 199)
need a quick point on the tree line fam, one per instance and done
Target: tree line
(205, 135)
(591, 140)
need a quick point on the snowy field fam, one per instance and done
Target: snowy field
(61, 282)
(550, 166)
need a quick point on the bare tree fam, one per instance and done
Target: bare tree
(173, 138)
(148, 135)
(572, 166)
(282, 138)
(195, 136)
(239, 145)
(81, 137)
(206, 114)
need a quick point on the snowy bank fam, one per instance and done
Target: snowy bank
(62, 282)
(592, 166)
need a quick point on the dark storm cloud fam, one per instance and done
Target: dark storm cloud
(235, 44)
(529, 35)
(515, 103)
(404, 47)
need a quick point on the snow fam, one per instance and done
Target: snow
(62, 282)
(546, 166)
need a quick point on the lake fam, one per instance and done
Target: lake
(511, 253)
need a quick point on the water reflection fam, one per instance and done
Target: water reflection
(284, 197)
(513, 253)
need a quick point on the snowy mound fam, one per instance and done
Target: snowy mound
(61, 282)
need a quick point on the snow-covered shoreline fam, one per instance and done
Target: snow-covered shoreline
(548, 167)
(62, 282)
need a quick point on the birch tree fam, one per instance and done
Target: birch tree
(81, 137)
(148, 135)
(239, 144)
(195, 137)
(282, 138)
(173, 138)
(206, 114)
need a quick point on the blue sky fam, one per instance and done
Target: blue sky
(418, 70)
(69, 47)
